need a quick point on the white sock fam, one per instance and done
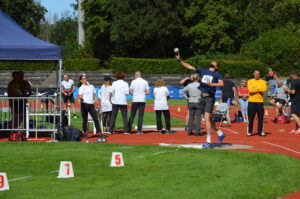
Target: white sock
(208, 138)
(220, 133)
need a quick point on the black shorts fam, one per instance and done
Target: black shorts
(67, 98)
(207, 104)
(281, 101)
(295, 108)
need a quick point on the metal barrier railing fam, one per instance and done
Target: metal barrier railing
(29, 114)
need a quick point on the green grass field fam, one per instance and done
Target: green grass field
(149, 172)
(149, 119)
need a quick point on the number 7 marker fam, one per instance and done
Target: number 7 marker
(66, 170)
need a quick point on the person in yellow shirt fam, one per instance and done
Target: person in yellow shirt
(256, 87)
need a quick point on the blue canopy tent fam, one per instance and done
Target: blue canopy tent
(18, 44)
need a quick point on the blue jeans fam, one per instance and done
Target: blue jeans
(244, 106)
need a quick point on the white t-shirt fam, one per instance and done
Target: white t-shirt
(104, 94)
(87, 92)
(120, 89)
(139, 87)
(160, 98)
(67, 85)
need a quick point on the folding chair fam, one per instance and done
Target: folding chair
(220, 113)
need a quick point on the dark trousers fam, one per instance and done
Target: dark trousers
(253, 109)
(194, 110)
(167, 119)
(135, 106)
(89, 108)
(106, 118)
(115, 109)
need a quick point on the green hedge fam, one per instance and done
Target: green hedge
(68, 64)
(147, 66)
(19, 65)
(170, 66)
(236, 69)
(81, 64)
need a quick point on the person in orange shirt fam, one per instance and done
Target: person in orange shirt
(256, 87)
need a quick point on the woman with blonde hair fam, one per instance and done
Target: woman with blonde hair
(243, 99)
(161, 95)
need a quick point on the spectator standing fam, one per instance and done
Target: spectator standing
(295, 108)
(186, 81)
(139, 88)
(18, 87)
(87, 97)
(229, 96)
(209, 80)
(119, 92)
(161, 94)
(106, 106)
(243, 94)
(256, 87)
(67, 89)
(193, 95)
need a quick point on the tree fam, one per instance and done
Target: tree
(27, 13)
(278, 48)
(145, 28)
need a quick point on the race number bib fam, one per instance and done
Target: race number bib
(207, 78)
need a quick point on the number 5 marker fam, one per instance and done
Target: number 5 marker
(117, 160)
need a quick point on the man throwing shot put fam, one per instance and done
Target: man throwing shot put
(209, 80)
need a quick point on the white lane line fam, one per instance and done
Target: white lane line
(297, 152)
(15, 179)
(53, 171)
(157, 153)
(123, 147)
(235, 132)
(67, 150)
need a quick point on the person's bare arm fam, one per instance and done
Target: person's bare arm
(131, 91)
(184, 64)
(182, 81)
(220, 83)
(147, 91)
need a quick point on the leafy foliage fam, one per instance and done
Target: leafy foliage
(278, 48)
(27, 13)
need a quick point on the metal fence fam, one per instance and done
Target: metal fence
(29, 114)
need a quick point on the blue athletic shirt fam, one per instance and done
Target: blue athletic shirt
(205, 75)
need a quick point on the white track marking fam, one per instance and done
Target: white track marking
(232, 131)
(67, 150)
(297, 152)
(53, 171)
(123, 147)
(15, 179)
(157, 153)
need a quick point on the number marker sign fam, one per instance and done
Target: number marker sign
(3, 182)
(66, 170)
(117, 160)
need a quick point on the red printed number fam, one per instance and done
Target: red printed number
(68, 168)
(118, 160)
(1, 182)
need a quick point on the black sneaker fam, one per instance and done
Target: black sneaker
(170, 132)
(127, 133)
(190, 133)
(160, 131)
(101, 138)
(200, 134)
(139, 132)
